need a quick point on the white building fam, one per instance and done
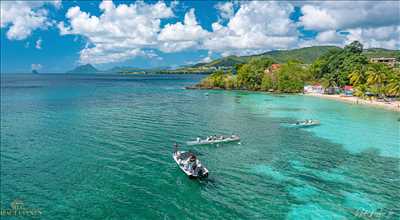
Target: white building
(316, 89)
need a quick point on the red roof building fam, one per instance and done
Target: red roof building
(348, 88)
(275, 66)
(272, 68)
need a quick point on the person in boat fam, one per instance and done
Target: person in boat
(191, 162)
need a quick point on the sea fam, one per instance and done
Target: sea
(100, 147)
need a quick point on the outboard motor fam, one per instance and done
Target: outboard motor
(200, 172)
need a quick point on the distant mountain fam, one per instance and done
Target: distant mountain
(83, 69)
(35, 72)
(381, 52)
(89, 69)
(306, 55)
(224, 61)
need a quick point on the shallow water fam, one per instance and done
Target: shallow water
(99, 147)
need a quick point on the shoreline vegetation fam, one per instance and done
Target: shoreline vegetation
(345, 75)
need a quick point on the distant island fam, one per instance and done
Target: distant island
(84, 69)
(90, 69)
(306, 55)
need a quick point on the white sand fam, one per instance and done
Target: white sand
(394, 106)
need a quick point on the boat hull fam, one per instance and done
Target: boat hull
(204, 142)
(306, 125)
(189, 174)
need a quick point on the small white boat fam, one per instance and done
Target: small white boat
(189, 164)
(214, 140)
(306, 123)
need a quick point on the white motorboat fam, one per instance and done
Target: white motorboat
(189, 164)
(214, 140)
(306, 123)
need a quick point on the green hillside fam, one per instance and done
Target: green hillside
(305, 55)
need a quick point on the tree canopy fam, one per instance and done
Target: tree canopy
(347, 66)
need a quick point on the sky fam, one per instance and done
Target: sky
(56, 36)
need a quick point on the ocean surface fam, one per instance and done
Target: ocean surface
(100, 147)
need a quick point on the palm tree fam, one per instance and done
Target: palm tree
(376, 75)
(360, 90)
(394, 84)
(357, 77)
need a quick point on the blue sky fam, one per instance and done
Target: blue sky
(56, 36)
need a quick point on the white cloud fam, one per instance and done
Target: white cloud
(255, 26)
(35, 66)
(328, 37)
(38, 44)
(225, 9)
(180, 36)
(374, 23)
(23, 17)
(123, 31)
(382, 37)
(327, 15)
(208, 58)
(317, 18)
(104, 54)
(119, 33)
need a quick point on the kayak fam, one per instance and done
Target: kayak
(214, 140)
(190, 165)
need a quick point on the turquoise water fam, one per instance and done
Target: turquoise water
(99, 147)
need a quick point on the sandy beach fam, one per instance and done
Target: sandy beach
(393, 106)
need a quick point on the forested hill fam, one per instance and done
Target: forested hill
(380, 52)
(305, 55)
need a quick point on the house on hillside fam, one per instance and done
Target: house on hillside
(274, 67)
(391, 62)
(314, 89)
(271, 70)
